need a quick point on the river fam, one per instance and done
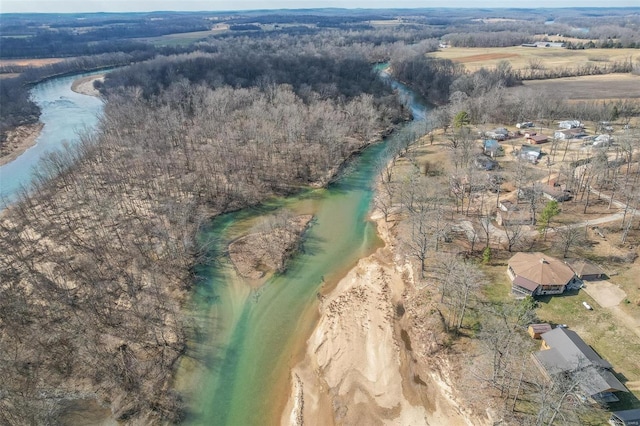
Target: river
(64, 114)
(253, 337)
(248, 339)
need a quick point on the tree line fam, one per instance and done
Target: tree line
(325, 76)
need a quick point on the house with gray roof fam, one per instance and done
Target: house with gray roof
(565, 354)
(625, 418)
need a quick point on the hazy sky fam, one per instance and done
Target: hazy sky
(7, 6)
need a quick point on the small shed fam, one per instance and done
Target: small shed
(625, 418)
(536, 330)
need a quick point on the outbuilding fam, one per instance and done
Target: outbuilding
(536, 330)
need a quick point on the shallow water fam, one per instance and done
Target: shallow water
(254, 337)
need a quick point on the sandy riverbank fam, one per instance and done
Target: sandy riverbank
(357, 369)
(18, 141)
(84, 85)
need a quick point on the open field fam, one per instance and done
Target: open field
(520, 57)
(601, 87)
(185, 38)
(31, 62)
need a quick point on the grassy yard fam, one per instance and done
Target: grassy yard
(613, 341)
(599, 327)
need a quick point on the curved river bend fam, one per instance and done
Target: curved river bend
(248, 339)
(64, 114)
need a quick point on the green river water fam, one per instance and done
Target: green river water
(239, 374)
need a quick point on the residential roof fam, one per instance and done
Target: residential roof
(540, 268)
(628, 416)
(491, 144)
(538, 138)
(525, 283)
(583, 267)
(595, 380)
(531, 148)
(555, 193)
(576, 131)
(569, 353)
(573, 348)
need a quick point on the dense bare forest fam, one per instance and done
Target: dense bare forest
(105, 237)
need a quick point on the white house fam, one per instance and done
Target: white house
(570, 124)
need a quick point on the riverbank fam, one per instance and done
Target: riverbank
(359, 366)
(84, 85)
(24, 137)
(18, 141)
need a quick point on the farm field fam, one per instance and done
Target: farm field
(179, 39)
(601, 87)
(31, 62)
(520, 57)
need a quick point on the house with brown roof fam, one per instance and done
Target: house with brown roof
(555, 193)
(565, 355)
(536, 274)
(537, 330)
(536, 139)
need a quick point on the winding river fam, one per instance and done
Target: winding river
(64, 114)
(239, 374)
(237, 371)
